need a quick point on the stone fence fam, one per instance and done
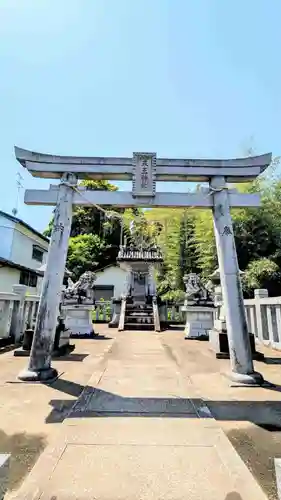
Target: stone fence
(18, 312)
(264, 318)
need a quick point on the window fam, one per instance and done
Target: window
(28, 278)
(103, 292)
(37, 253)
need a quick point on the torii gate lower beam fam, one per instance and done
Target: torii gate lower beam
(125, 199)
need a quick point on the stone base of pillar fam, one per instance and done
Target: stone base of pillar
(49, 374)
(219, 344)
(246, 379)
(78, 319)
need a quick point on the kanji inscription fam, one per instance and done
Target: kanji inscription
(226, 231)
(144, 170)
(144, 174)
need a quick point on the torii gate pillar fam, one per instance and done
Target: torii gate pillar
(39, 367)
(242, 368)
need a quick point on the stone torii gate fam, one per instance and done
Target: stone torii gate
(144, 169)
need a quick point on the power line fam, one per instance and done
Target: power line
(19, 180)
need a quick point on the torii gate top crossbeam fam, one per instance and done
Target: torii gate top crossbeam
(49, 166)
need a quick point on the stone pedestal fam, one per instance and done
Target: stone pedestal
(61, 347)
(116, 313)
(61, 344)
(199, 321)
(219, 344)
(78, 319)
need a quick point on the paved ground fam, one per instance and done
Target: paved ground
(30, 414)
(140, 429)
(250, 417)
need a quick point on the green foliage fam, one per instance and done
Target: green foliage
(87, 220)
(188, 241)
(262, 273)
(204, 242)
(173, 230)
(95, 238)
(176, 296)
(84, 252)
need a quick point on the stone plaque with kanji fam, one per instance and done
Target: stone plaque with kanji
(144, 170)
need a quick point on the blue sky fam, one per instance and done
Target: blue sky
(186, 78)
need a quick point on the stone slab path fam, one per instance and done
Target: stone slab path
(139, 432)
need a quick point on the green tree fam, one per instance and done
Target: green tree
(262, 273)
(95, 235)
(173, 231)
(204, 243)
(84, 252)
(86, 219)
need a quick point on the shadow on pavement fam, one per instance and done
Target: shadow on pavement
(7, 348)
(24, 449)
(93, 336)
(72, 357)
(272, 361)
(95, 402)
(233, 496)
(67, 387)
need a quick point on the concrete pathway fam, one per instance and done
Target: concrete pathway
(31, 414)
(139, 432)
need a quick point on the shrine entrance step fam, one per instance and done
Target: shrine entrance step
(139, 317)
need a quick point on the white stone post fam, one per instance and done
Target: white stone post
(128, 281)
(242, 369)
(39, 367)
(19, 326)
(259, 294)
(151, 280)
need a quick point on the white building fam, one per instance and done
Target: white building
(23, 250)
(109, 283)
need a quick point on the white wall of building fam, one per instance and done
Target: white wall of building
(6, 237)
(16, 245)
(112, 276)
(9, 277)
(22, 247)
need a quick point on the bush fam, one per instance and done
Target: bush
(175, 296)
(262, 273)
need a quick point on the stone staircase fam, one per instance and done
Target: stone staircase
(139, 316)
